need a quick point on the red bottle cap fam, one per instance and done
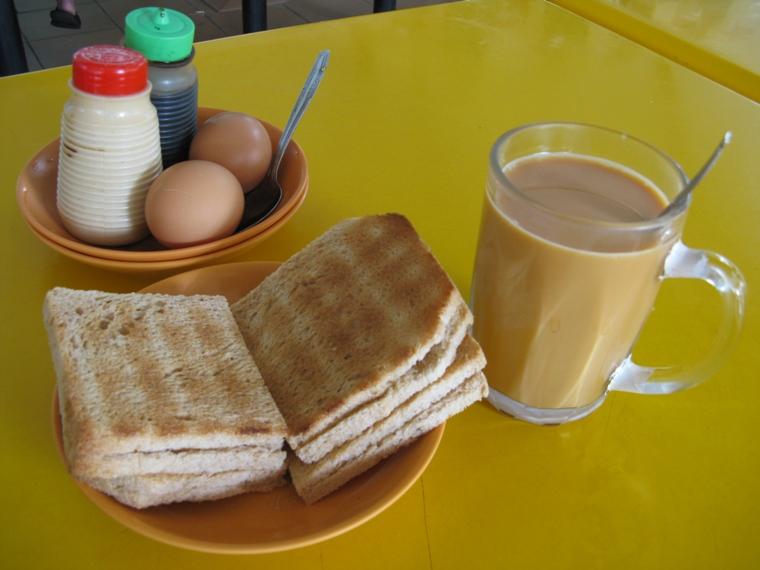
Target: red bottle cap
(109, 70)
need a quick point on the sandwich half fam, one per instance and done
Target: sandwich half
(157, 384)
(334, 326)
(362, 340)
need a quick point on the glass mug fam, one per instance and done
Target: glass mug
(570, 257)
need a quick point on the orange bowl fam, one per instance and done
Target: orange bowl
(36, 196)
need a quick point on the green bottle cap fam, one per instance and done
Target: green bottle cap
(160, 34)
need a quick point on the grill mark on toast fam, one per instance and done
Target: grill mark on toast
(232, 380)
(115, 390)
(208, 335)
(171, 338)
(219, 338)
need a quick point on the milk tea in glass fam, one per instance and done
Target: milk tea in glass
(570, 257)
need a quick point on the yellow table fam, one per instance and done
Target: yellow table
(718, 38)
(403, 122)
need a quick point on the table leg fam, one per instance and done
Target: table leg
(254, 16)
(384, 5)
(12, 58)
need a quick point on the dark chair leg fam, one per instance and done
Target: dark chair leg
(12, 58)
(384, 5)
(254, 16)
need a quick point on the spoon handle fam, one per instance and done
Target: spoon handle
(683, 195)
(307, 93)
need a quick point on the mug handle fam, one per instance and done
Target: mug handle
(683, 262)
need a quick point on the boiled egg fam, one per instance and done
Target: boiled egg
(238, 142)
(193, 202)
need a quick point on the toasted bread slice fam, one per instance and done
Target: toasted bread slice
(344, 317)
(144, 491)
(423, 374)
(154, 373)
(469, 362)
(312, 488)
(189, 461)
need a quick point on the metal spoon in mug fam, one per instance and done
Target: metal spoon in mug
(683, 195)
(262, 200)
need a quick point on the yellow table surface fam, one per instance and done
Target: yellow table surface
(718, 38)
(405, 117)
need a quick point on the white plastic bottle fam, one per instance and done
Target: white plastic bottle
(110, 148)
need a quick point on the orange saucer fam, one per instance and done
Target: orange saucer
(263, 522)
(148, 266)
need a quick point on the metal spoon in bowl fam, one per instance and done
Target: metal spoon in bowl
(262, 200)
(683, 195)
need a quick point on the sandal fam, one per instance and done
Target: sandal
(63, 19)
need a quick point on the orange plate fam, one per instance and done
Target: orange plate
(36, 196)
(147, 266)
(274, 521)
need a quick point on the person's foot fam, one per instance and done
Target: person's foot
(62, 19)
(65, 15)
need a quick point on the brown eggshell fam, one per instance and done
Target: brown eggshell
(238, 142)
(193, 202)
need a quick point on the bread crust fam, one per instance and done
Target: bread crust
(145, 491)
(455, 350)
(187, 461)
(469, 362)
(312, 489)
